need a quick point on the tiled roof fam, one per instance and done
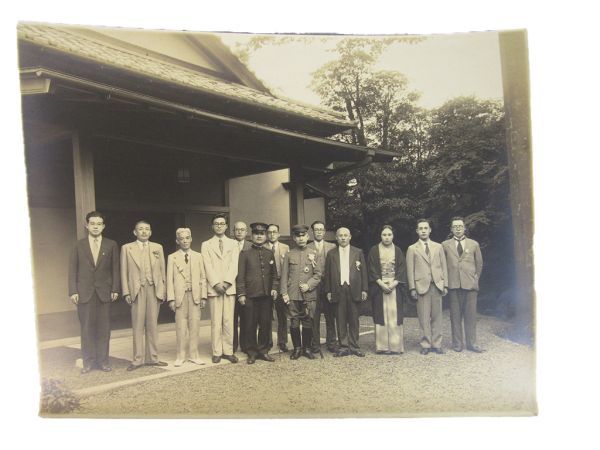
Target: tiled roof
(68, 41)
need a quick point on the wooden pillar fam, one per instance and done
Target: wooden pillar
(515, 78)
(83, 169)
(296, 197)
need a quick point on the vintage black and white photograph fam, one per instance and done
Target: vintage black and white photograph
(230, 225)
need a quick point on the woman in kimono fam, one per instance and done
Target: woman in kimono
(387, 282)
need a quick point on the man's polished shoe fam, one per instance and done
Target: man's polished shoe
(383, 352)
(178, 362)
(357, 353)
(396, 353)
(296, 353)
(332, 349)
(439, 351)
(216, 359)
(476, 349)
(340, 353)
(132, 367)
(308, 353)
(457, 349)
(105, 368)
(157, 364)
(424, 351)
(85, 369)
(251, 359)
(266, 357)
(283, 348)
(231, 358)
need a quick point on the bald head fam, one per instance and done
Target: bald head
(240, 230)
(343, 236)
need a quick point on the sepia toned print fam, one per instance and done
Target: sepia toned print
(150, 154)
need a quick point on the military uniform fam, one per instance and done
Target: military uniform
(300, 266)
(256, 278)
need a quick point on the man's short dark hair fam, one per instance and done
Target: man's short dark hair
(141, 221)
(273, 225)
(316, 222)
(91, 214)
(421, 220)
(457, 218)
(219, 216)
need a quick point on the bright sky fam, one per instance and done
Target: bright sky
(441, 67)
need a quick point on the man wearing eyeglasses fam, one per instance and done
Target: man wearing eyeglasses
(220, 255)
(465, 264)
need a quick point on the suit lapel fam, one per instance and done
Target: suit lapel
(136, 254)
(101, 251)
(421, 251)
(88, 251)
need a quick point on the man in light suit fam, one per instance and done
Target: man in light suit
(465, 264)
(427, 283)
(93, 285)
(186, 294)
(240, 231)
(143, 277)
(322, 248)
(346, 285)
(281, 309)
(220, 255)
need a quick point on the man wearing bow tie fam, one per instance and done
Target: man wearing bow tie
(93, 285)
(427, 282)
(143, 277)
(465, 264)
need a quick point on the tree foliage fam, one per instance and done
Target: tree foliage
(450, 160)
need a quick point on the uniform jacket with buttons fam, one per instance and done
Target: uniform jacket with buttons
(257, 273)
(301, 266)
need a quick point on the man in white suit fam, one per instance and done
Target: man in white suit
(143, 280)
(220, 255)
(465, 264)
(427, 282)
(186, 294)
(281, 309)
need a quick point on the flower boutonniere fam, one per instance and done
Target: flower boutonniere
(156, 253)
(357, 265)
(311, 258)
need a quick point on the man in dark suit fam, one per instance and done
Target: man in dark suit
(239, 232)
(282, 311)
(93, 284)
(322, 248)
(465, 264)
(346, 285)
(256, 288)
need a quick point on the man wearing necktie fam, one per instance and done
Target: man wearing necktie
(221, 255)
(279, 249)
(143, 277)
(186, 294)
(427, 282)
(93, 284)
(465, 264)
(240, 231)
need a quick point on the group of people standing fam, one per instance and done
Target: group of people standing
(243, 281)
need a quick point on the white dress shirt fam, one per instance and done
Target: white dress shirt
(344, 264)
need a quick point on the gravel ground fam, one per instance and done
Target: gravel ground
(498, 382)
(59, 363)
